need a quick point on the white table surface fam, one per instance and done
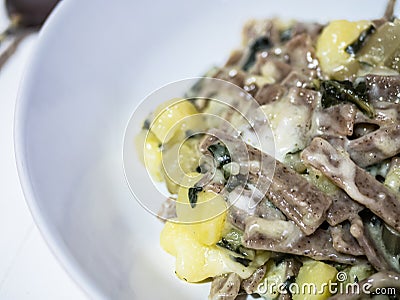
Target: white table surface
(28, 269)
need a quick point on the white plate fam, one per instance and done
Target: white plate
(95, 61)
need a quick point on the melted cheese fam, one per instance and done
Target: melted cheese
(288, 122)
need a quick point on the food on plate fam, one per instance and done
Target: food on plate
(321, 208)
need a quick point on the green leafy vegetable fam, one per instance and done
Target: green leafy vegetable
(234, 181)
(220, 153)
(194, 91)
(286, 285)
(355, 46)
(260, 44)
(335, 92)
(243, 261)
(286, 35)
(232, 241)
(192, 194)
(239, 249)
(146, 124)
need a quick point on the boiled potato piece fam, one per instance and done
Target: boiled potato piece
(314, 274)
(209, 232)
(149, 150)
(331, 45)
(191, 262)
(189, 155)
(179, 161)
(190, 255)
(172, 234)
(206, 218)
(193, 240)
(196, 262)
(173, 118)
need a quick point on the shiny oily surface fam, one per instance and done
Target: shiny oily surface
(70, 125)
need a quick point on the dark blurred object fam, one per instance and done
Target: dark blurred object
(25, 16)
(30, 13)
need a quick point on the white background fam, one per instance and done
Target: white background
(28, 269)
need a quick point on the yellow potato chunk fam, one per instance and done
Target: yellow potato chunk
(172, 234)
(196, 262)
(313, 281)
(191, 262)
(189, 155)
(334, 60)
(209, 232)
(190, 255)
(206, 217)
(149, 151)
(173, 118)
(180, 160)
